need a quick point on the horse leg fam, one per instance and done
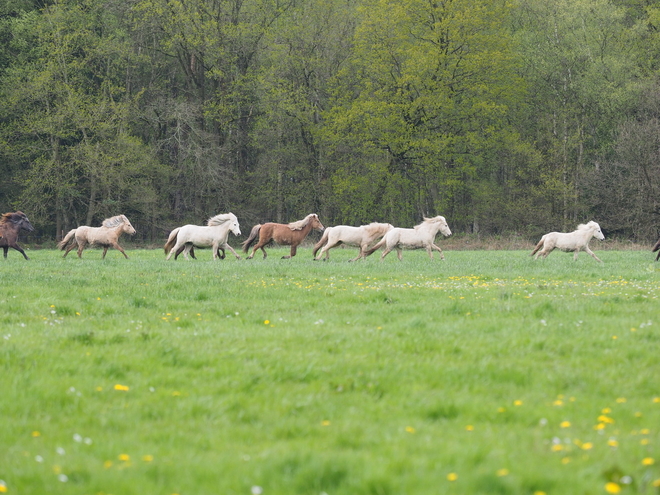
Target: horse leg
(294, 248)
(20, 250)
(592, 254)
(69, 248)
(429, 250)
(105, 250)
(227, 246)
(386, 251)
(119, 248)
(6, 249)
(437, 248)
(81, 246)
(399, 253)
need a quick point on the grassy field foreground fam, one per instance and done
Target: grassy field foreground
(486, 373)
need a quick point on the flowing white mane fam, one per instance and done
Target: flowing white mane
(115, 221)
(428, 221)
(220, 219)
(588, 226)
(300, 224)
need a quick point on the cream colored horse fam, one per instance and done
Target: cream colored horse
(421, 236)
(361, 237)
(572, 241)
(213, 235)
(107, 236)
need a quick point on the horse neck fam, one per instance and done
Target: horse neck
(221, 229)
(305, 230)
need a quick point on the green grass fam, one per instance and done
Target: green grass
(302, 377)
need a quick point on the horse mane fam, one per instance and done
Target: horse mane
(300, 224)
(587, 226)
(375, 226)
(220, 219)
(115, 221)
(8, 217)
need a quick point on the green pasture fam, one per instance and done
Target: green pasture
(488, 372)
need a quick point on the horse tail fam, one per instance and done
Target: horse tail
(254, 233)
(324, 239)
(376, 247)
(62, 244)
(538, 246)
(171, 240)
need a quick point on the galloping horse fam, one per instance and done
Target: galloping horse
(107, 236)
(421, 236)
(285, 234)
(10, 226)
(361, 237)
(571, 241)
(656, 247)
(214, 235)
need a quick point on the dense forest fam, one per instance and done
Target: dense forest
(505, 116)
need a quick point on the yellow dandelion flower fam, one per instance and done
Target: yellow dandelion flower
(600, 426)
(452, 477)
(36, 434)
(124, 457)
(501, 409)
(638, 414)
(558, 402)
(557, 447)
(107, 464)
(502, 472)
(325, 423)
(587, 446)
(566, 460)
(644, 441)
(612, 487)
(266, 322)
(621, 400)
(122, 388)
(645, 431)
(648, 461)
(614, 337)
(99, 389)
(3, 488)
(612, 443)
(656, 400)
(469, 428)
(517, 403)
(176, 393)
(410, 429)
(147, 458)
(607, 410)
(565, 424)
(656, 483)
(539, 492)
(605, 419)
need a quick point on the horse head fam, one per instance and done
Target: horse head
(598, 234)
(316, 223)
(128, 228)
(19, 218)
(235, 227)
(440, 223)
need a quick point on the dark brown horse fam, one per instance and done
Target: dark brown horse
(291, 234)
(656, 248)
(10, 226)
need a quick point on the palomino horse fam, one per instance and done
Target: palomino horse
(285, 234)
(214, 235)
(10, 226)
(361, 237)
(107, 236)
(572, 241)
(421, 236)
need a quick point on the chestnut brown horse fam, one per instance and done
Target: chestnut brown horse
(10, 226)
(291, 234)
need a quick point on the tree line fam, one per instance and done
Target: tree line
(504, 116)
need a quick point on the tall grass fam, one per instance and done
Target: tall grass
(486, 373)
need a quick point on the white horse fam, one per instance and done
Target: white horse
(573, 241)
(421, 236)
(214, 235)
(361, 237)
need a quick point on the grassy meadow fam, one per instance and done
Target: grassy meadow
(488, 372)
